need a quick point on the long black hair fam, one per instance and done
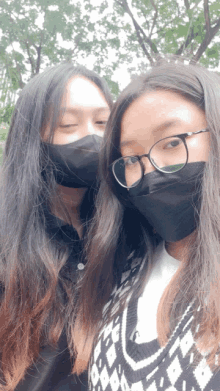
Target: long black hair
(119, 231)
(32, 307)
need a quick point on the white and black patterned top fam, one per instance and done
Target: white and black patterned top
(118, 363)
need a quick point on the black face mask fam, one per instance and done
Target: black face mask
(171, 202)
(76, 164)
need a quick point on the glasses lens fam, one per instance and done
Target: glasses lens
(169, 155)
(127, 171)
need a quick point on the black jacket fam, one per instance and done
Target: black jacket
(52, 371)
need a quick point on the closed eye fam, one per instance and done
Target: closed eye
(68, 125)
(101, 122)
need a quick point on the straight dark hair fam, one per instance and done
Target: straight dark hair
(119, 232)
(33, 311)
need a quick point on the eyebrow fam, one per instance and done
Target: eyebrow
(71, 110)
(164, 126)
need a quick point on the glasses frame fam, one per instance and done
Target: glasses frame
(182, 136)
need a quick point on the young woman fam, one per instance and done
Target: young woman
(158, 206)
(47, 188)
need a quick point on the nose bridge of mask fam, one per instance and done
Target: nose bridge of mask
(153, 182)
(81, 154)
(89, 143)
(159, 181)
(76, 164)
(96, 142)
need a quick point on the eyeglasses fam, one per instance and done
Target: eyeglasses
(169, 155)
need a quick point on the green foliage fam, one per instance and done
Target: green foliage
(3, 135)
(6, 113)
(212, 56)
(182, 30)
(33, 31)
(4, 127)
(114, 87)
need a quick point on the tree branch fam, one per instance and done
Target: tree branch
(147, 23)
(155, 17)
(30, 58)
(141, 42)
(186, 2)
(208, 37)
(138, 29)
(39, 49)
(214, 22)
(178, 9)
(154, 5)
(38, 59)
(191, 35)
(187, 42)
(207, 17)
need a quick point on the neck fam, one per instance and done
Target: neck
(179, 250)
(67, 204)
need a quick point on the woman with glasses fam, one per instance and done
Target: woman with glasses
(156, 327)
(47, 188)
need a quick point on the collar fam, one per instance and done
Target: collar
(53, 221)
(60, 230)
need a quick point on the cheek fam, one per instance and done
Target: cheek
(97, 132)
(206, 149)
(63, 138)
(100, 133)
(200, 148)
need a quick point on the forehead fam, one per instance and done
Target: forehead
(154, 108)
(81, 92)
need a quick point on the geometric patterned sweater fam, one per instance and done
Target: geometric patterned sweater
(120, 364)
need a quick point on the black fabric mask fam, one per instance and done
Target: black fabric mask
(76, 164)
(171, 202)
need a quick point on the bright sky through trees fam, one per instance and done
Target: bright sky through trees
(116, 38)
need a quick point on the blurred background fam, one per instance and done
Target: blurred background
(117, 38)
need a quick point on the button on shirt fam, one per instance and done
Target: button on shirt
(64, 233)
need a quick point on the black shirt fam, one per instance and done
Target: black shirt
(52, 371)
